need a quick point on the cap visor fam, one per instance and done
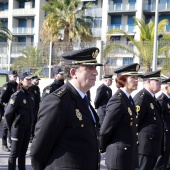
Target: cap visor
(28, 77)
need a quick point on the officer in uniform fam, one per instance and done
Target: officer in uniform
(19, 115)
(58, 82)
(118, 133)
(164, 100)
(150, 121)
(103, 94)
(36, 91)
(8, 89)
(66, 133)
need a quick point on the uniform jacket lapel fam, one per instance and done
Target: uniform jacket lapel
(79, 101)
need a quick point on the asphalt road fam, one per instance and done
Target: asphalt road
(4, 156)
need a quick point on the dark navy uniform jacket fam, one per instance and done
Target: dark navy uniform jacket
(8, 89)
(21, 103)
(165, 105)
(118, 134)
(65, 136)
(103, 95)
(150, 124)
(36, 91)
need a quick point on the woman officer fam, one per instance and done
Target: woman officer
(19, 116)
(118, 134)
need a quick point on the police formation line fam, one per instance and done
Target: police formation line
(66, 131)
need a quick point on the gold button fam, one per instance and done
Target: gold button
(154, 113)
(136, 125)
(125, 148)
(137, 134)
(82, 125)
(94, 125)
(136, 117)
(137, 142)
(131, 118)
(166, 130)
(154, 118)
(99, 151)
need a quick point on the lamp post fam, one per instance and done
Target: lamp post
(155, 46)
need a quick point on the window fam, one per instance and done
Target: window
(21, 39)
(22, 23)
(127, 60)
(21, 4)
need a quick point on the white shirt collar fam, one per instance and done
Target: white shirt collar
(127, 94)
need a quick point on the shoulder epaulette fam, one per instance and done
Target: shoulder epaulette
(142, 95)
(161, 97)
(60, 92)
(100, 86)
(16, 92)
(119, 95)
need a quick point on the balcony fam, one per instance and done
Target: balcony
(94, 12)
(24, 12)
(120, 7)
(125, 28)
(23, 30)
(161, 7)
(96, 32)
(4, 14)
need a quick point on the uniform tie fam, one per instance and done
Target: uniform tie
(131, 100)
(88, 105)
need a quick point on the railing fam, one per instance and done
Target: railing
(120, 7)
(125, 28)
(95, 12)
(4, 14)
(23, 30)
(27, 12)
(161, 7)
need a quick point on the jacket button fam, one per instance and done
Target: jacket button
(136, 117)
(94, 125)
(166, 130)
(125, 148)
(136, 125)
(137, 134)
(137, 142)
(82, 125)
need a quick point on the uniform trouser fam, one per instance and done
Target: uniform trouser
(33, 126)
(20, 140)
(162, 161)
(5, 135)
(168, 163)
(146, 162)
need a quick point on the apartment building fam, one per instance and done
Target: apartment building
(119, 14)
(25, 17)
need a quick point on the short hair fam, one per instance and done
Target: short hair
(120, 81)
(67, 69)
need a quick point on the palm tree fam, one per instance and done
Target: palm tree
(68, 17)
(144, 46)
(31, 59)
(5, 34)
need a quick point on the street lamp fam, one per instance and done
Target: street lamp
(155, 45)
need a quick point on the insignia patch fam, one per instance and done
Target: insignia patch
(24, 101)
(137, 108)
(47, 91)
(151, 105)
(119, 95)
(78, 114)
(129, 111)
(12, 101)
(4, 88)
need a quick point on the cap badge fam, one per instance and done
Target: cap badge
(151, 105)
(137, 67)
(95, 54)
(137, 108)
(78, 114)
(129, 111)
(24, 101)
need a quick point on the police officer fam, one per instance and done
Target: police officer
(103, 94)
(118, 133)
(58, 82)
(8, 89)
(150, 121)
(19, 115)
(164, 100)
(36, 91)
(67, 137)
